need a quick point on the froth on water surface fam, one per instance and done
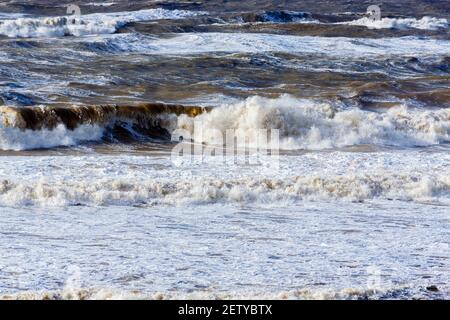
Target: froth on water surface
(355, 205)
(310, 251)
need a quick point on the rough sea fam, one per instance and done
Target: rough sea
(354, 203)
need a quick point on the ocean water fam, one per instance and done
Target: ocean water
(352, 201)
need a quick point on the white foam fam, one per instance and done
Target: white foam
(125, 192)
(425, 23)
(146, 181)
(12, 138)
(91, 24)
(305, 124)
(309, 250)
(198, 43)
(17, 139)
(99, 4)
(8, 16)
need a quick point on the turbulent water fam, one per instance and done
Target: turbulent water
(355, 204)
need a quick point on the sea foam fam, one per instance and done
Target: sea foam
(91, 24)
(425, 23)
(306, 124)
(126, 180)
(69, 293)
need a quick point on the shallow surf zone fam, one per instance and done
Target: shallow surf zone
(211, 294)
(315, 125)
(152, 181)
(301, 124)
(46, 127)
(315, 250)
(402, 173)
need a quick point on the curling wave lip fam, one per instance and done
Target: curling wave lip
(46, 127)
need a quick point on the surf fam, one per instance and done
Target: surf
(90, 24)
(302, 123)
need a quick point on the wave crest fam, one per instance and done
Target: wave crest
(45, 127)
(305, 124)
(302, 124)
(148, 192)
(91, 24)
(425, 23)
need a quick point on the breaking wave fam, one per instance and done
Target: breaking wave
(200, 43)
(425, 23)
(419, 187)
(305, 124)
(117, 294)
(302, 124)
(46, 127)
(91, 24)
(60, 136)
